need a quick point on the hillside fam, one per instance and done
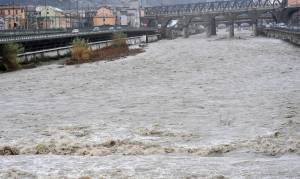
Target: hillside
(71, 4)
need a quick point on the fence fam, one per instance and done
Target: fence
(64, 51)
(30, 37)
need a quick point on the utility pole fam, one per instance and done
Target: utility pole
(14, 20)
(139, 13)
(46, 13)
(77, 9)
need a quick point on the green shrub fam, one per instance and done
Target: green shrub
(119, 40)
(9, 53)
(80, 50)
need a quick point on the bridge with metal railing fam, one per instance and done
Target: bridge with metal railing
(230, 10)
(215, 7)
(35, 42)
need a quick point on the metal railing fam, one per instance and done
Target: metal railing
(214, 7)
(61, 51)
(60, 35)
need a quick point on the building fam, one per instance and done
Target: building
(104, 16)
(122, 17)
(12, 17)
(293, 3)
(130, 13)
(31, 17)
(52, 18)
(2, 23)
(78, 18)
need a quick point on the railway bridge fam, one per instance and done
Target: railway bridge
(212, 12)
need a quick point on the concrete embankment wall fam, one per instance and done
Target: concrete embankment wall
(57, 53)
(290, 36)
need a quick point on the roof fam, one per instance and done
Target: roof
(11, 7)
(40, 8)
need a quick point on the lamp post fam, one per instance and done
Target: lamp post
(46, 11)
(14, 20)
(77, 9)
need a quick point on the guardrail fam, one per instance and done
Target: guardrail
(284, 34)
(63, 51)
(60, 35)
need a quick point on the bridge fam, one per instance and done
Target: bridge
(229, 11)
(37, 42)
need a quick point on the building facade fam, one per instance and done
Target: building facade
(31, 17)
(104, 16)
(52, 18)
(130, 13)
(12, 17)
(2, 23)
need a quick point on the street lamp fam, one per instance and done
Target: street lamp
(45, 3)
(14, 21)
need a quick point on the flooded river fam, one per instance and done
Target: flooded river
(187, 108)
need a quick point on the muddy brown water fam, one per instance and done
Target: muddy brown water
(187, 108)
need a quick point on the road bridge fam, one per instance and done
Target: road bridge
(35, 42)
(231, 10)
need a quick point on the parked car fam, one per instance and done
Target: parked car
(96, 29)
(75, 31)
(221, 26)
(268, 25)
(111, 28)
(296, 28)
(282, 25)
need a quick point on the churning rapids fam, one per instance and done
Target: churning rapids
(187, 108)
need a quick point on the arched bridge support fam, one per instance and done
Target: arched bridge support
(254, 18)
(186, 32)
(254, 27)
(186, 26)
(211, 27)
(231, 18)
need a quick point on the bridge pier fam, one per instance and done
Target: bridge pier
(211, 28)
(186, 33)
(254, 27)
(231, 28)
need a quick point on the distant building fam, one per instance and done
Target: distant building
(78, 18)
(13, 17)
(2, 23)
(122, 17)
(31, 17)
(104, 16)
(52, 18)
(293, 3)
(130, 14)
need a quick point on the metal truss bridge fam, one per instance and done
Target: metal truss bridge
(215, 7)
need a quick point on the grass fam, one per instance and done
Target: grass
(80, 52)
(119, 40)
(9, 53)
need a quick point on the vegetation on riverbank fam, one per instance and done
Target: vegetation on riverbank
(9, 53)
(81, 53)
